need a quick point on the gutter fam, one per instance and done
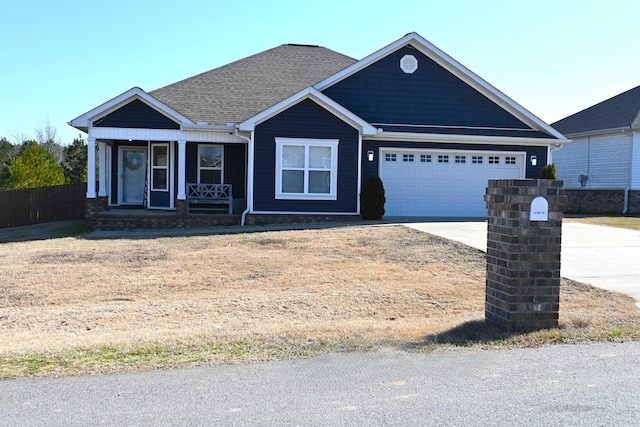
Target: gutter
(249, 176)
(601, 131)
(468, 139)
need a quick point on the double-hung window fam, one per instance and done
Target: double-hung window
(210, 164)
(306, 169)
(160, 167)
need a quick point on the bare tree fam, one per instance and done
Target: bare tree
(47, 138)
(18, 138)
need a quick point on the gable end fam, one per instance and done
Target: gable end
(429, 98)
(136, 114)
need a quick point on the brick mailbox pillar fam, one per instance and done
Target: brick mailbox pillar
(524, 234)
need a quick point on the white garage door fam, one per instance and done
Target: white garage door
(443, 183)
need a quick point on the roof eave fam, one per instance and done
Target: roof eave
(602, 131)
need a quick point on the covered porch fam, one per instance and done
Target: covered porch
(151, 167)
(165, 184)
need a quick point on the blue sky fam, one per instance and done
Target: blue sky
(61, 58)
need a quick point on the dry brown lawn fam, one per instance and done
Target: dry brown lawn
(630, 222)
(352, 287)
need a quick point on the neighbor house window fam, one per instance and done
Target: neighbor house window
(494, 160)
(407, 157)
(443, 159)
(476, 159)
(160, 167)
(509, 160)
(306, 169)
(210, 164)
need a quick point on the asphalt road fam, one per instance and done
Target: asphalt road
(562, 385)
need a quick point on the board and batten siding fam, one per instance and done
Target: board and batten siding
(603, 158)
(305, 120)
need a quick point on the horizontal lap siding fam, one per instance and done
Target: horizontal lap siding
(371, 168)
(604, 159)
(383, 93)
(635, 165)
(305, 120)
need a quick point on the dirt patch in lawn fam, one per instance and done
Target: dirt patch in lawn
(273, 294)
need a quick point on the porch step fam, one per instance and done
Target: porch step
(111, 221)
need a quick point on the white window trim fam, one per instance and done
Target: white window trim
(221, 168)
(154, 168)
(306, 142)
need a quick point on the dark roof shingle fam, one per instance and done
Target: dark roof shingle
(617, 112)
(241, 89)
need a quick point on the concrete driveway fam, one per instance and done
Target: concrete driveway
(605, 257)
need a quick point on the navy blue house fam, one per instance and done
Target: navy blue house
(298, 129)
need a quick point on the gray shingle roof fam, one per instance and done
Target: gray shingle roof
(617, 112)
(241, 89)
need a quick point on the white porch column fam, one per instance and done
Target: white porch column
(102, 169)
(182, 154)
(91, 168)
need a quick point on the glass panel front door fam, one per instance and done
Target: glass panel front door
(134, 172)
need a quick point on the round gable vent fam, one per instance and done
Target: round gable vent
(408, 64)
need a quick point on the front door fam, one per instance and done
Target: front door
(133, 173)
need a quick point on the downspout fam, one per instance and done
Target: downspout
(626, 190)
(249, 176)
(550, 150)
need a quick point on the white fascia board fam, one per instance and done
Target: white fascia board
(451, 65)
(464, 139)
(604, 131)
(318, 97)
(85, 121)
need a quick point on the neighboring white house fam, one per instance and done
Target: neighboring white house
(603, 161)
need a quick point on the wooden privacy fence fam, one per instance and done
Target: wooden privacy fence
(42, 204)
